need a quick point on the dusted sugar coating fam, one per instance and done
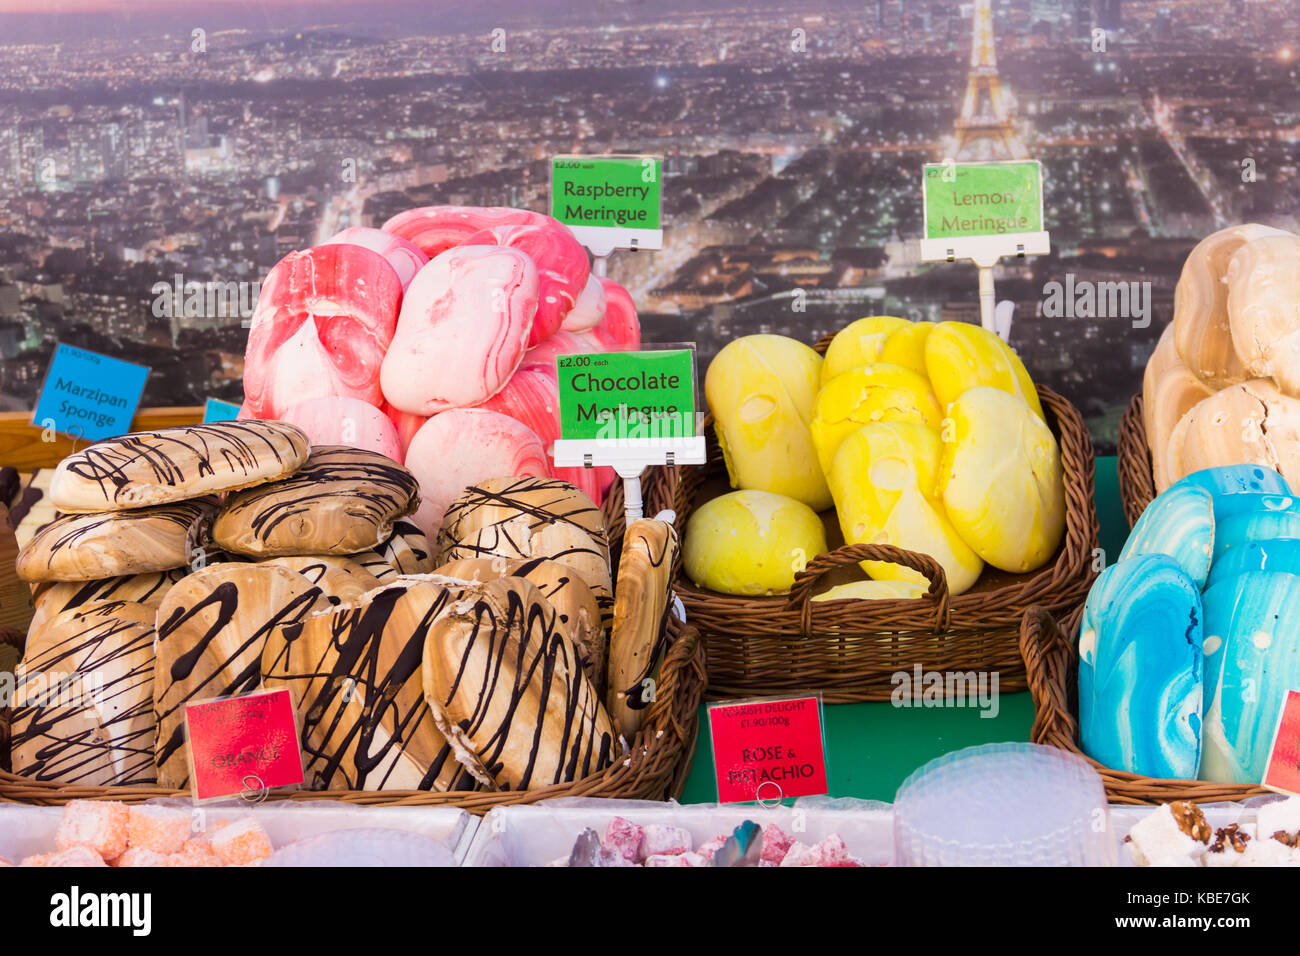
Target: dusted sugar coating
(212, 628)
(1178, 523)
(869, 393)
(573, 601)
(96, 825)
(642, 603)
(463, 329)
(89, 547)
(405, 257)
(620, 329)
(342, 580)
(1202, 330)
(1001, 480)
(95, 728)
(53, 598)
(884, 478)
(343, 500)
(959, 356)
(589, 309)
(175, 464)
(761, 390)
(355, 677)
(346, 421)
(859, 343)
(462, 447)
(523, 517)
(435, 229)
(1141, 669)
(562, 267)
(507, 690)
(1252, 658)
(324, 320)
(751, 542)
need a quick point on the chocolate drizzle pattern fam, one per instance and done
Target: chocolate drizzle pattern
(575, 605)
(641, 610)
(355, 676)
(53, 598)
(212, 628)
(341, 580)
(171, 464)
(89, 547)
(532, 518)
(83, 711)
(506, 688)
(342, 501)
(406, 551)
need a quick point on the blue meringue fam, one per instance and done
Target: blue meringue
(1178, 523)
(1140, 669)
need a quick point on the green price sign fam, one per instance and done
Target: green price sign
(609, 201)
(627, 395)
(982, 199)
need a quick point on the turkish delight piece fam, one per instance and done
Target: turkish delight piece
(101, 825)
(1171, 835)
(160, 829)
(660, 840)
(625, 837)
(776, 844)
(241, 842)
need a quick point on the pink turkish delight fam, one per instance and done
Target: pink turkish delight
(625, 837)
(775, 844)
(657, 840)
(101, 825)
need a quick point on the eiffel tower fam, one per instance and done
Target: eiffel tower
(985, 130)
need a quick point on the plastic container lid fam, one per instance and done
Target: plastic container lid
(1012, 804)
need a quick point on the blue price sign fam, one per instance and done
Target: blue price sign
(88, 395)
(218, 411)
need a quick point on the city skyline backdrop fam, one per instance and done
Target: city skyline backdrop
(134, 149)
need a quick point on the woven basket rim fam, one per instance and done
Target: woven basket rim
(1137, 483)
(1060, 584)
(1050, 664)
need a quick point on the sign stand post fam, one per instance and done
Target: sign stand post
(615, 202)
(982, 212)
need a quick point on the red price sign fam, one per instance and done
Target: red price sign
(1283, 772)
(244, 743)
(768, 749)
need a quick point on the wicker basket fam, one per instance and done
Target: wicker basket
(850, 650)
(1052, 666)
(655, 768)
(1137, 484)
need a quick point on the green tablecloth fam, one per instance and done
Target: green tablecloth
(871, 748)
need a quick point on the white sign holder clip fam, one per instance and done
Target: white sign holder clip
(985, 251)
(629, 457)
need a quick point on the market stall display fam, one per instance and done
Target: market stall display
(1228, 356)
(956, 556)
